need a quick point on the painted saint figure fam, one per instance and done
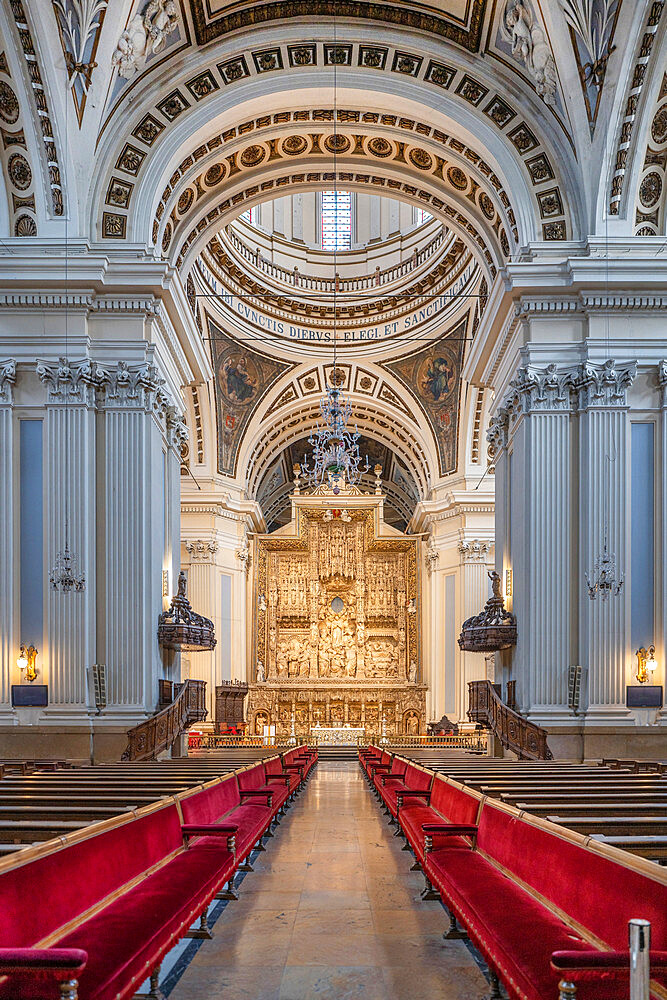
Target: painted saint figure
(239, 384)
(439, 375)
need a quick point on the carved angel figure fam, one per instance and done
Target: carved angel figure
(145, 34)
(160, 18)
(530, 46)
(131, 48)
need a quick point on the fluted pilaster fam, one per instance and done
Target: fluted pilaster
(7, 645)
(69, 454)
(203, 593)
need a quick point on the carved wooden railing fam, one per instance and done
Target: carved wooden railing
(524, 738)
(158, 733)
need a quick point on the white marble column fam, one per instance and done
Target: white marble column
(135, 531)
(476, 560)
(204, 596)
(532, 441)
(8, 640)
(603, 515)
(69, 463)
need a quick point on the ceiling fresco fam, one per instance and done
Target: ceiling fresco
(433, 376)
(242, 378)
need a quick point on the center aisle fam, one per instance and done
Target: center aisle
(332, 912)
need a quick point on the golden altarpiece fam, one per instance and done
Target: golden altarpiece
(336, 622)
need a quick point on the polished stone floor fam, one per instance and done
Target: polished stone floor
(332, 912)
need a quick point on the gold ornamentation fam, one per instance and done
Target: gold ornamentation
(336, 638)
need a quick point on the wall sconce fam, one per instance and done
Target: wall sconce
(508, 583)
(26, 662)
(646, 664)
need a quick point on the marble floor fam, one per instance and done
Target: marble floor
(332, 912)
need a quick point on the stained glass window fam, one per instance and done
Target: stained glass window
(336, 220)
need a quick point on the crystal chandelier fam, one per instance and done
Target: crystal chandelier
(335, 457)
(604, 580)
(64, 575)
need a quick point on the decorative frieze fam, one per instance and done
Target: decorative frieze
(7, 380)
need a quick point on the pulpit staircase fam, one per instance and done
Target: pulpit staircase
(161, 731)
(518, 735)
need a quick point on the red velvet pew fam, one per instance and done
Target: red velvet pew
(105, 907)
(274, 769)
(543, 905)
(256, 779)
(392, 784)
(221, 803)
(446, 802)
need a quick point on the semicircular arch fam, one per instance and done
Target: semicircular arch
(512, 142)
(275, 426)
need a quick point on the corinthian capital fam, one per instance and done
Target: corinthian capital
(201, 550)
(474, 550)
(129, 386)
(541, 389)
(497, 433)
(73, 381)
(606, 384)
(7, 380)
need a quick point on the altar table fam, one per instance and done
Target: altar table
(336, 736)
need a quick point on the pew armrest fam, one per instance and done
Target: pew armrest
(436, 830)
(278, 777)
(55, 964)
(211, 830)
(391, 774)
(255, 793)
(585, 964)
(400, 796)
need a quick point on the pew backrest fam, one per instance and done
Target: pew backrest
(456, 802)
(40, 894)
(594, 888)
(207, 804)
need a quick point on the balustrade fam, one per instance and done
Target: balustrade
(524, 738)
(161, 731)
